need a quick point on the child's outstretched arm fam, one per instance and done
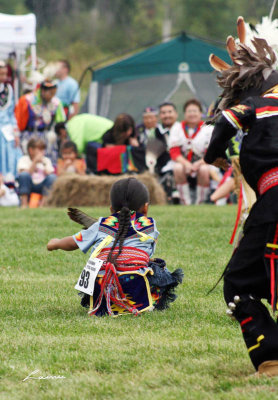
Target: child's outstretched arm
(67, 243)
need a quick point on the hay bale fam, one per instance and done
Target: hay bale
(91, 190)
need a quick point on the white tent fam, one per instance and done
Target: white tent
(17, 33)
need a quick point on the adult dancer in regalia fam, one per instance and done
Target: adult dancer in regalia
(249, 109)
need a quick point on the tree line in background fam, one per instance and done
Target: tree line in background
(88, 31)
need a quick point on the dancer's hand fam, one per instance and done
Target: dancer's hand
(221, 163)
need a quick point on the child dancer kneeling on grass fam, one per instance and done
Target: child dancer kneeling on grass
(127, 281)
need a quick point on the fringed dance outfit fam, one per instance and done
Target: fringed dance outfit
(248, 109)
(253, 269)
(9, 153)
(134, 283)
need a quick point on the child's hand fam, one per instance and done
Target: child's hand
(68, 162)
(53, 244)
(67, 243)
(38, 157)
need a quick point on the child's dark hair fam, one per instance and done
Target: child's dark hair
(36, 143)
(59, 126)
(126, 195)
(69, 145)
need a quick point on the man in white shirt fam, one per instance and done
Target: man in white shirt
(164, 165)
(168, 121)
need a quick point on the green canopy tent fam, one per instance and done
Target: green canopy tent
(172, 71)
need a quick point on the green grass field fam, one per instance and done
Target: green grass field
(191, 351)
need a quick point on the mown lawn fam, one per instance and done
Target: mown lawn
(191, 351)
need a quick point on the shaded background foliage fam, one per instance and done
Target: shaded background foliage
(88, 31)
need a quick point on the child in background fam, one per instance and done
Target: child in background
(8, 196)
(128, 281)
(69, 162)
(35, 172)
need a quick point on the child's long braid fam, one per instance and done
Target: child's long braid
(126, 194)
(124, 222)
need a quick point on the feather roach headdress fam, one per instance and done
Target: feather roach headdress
(252, 72)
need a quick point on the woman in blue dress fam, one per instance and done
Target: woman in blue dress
(9, 140)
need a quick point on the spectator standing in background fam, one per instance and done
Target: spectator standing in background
(36, 114)
(9, 133)
(189, 163)
(68, 89)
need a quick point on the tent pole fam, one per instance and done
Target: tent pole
(272, 9)
(93, 98)
(33, 57)
(16, 78)
(167, 23)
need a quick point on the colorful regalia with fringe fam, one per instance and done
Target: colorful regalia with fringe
(9, 154)
(37, 118)
(249, 110)
(134, 283)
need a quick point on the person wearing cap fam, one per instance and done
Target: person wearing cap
(146, 129)
(37, 113)
(9, 141)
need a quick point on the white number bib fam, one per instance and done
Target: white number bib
(86, 281)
